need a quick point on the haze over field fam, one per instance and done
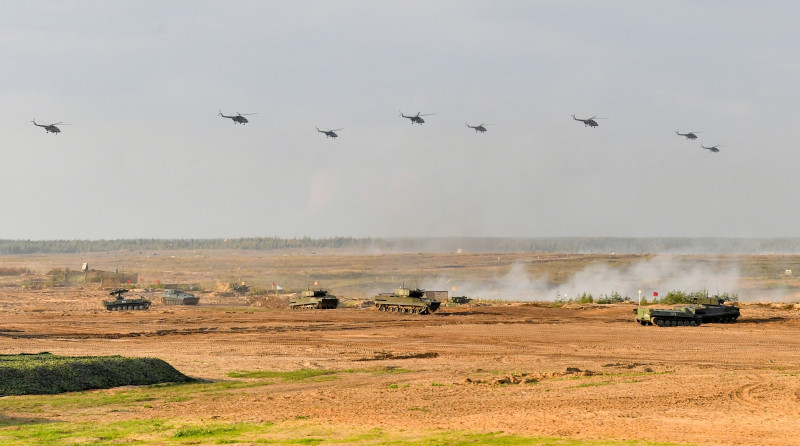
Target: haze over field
(147, 156)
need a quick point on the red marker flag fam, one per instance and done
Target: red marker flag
(655, 293)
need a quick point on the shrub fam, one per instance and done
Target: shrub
(585, 298)
(615, 297)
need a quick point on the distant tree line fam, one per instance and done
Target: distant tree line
(8, 247)
(576, 245)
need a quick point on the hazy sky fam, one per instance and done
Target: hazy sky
(146, 155)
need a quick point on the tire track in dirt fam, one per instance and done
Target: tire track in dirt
(763, 393)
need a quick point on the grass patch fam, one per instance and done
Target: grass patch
(45, 373)
(121, 398)
(385, 370)
(217, 431)
(296, 375)
(594, 384)
(170, 432)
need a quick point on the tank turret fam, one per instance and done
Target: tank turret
(404, 300)
(314, 300)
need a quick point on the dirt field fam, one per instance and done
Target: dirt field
(582, 372)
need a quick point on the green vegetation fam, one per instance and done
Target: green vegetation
(587, 298)
(44, 373)
(614, 298)
(216, 431)
(298, 431)
(672, 297)
(684, 297)
(117, 399)
(383, 370)
(595, 384)
(296, 375)
(447, 244)
(317, 374)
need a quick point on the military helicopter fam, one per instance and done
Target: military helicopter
(590, 122)
(416, 119)
(329, 133)
(239, 118)
(49, 128)
(690, 135)
(712, 149)
(478, 128)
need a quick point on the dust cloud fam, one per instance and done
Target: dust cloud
(659, 274)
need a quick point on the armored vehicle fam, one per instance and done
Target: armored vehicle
(460, 300)
(178, 297)
(121, 303)
(404, 300)
(314, 299)
(703, 310)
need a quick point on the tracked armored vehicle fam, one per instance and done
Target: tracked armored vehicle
(314, 300)
(178, 297)
(121, 303)
(404, 300)
(703, 310)
(460, 300)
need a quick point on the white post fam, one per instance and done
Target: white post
(640, 297)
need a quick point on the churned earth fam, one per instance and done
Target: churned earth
(577, 371)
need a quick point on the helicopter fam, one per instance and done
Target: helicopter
(329, 133)
(590, 122)
(239, 118)
(689, 135)
(712, 149)
(416, 119)
(478, 128)
(50, 128)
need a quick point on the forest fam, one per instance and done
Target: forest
(577, 245)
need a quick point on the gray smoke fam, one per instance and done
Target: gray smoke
(659, 274)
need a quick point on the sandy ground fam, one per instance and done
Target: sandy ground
(582, 371)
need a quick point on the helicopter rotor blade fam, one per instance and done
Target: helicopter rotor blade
(426, 114)
(336, 130)
(245, 114)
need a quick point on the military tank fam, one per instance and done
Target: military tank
(121, 303)
(404, 300)
(178, 297)
(314, 300)
(703, 310)
(460, 300)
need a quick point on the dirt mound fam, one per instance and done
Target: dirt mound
(270, 301)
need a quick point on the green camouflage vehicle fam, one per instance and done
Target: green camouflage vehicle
(178, 297)
(314, 300)
(460, 300)
(703, 310)
(404, 300)
(121, 303)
